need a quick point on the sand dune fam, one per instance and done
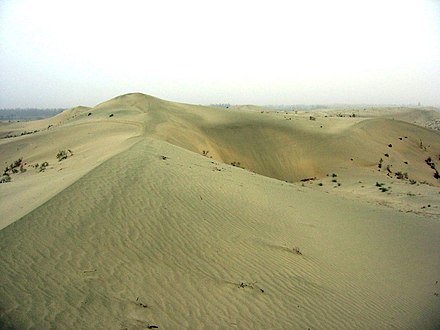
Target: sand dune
(138, 229)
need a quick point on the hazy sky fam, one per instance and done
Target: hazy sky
(66, 53)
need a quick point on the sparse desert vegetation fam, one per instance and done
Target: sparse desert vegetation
(63, 154)
(250, 285)
(296, 250)
(236, 164)
(379, 164)
(381, 187)
(5, 178)
(20, 134)
(15, 167)
(431, 164)
(42, 167)
(401, 175)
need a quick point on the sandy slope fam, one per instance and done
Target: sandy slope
(91, 143)
(144, 232)
(427, 117)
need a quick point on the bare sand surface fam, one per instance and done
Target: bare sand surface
(147, 223)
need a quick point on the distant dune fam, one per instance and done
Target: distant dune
(143, 213)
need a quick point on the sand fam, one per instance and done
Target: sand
(139, 229)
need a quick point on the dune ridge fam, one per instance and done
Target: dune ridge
(147, 231)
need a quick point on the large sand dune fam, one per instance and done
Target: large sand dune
(137, 228)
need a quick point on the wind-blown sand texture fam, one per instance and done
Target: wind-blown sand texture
(146, 224)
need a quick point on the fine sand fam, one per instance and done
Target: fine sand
(176, 216)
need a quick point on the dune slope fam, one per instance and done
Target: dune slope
(151, 233)
(288, 147)
(199, 246)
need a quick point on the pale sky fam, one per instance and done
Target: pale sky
(82, 52)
